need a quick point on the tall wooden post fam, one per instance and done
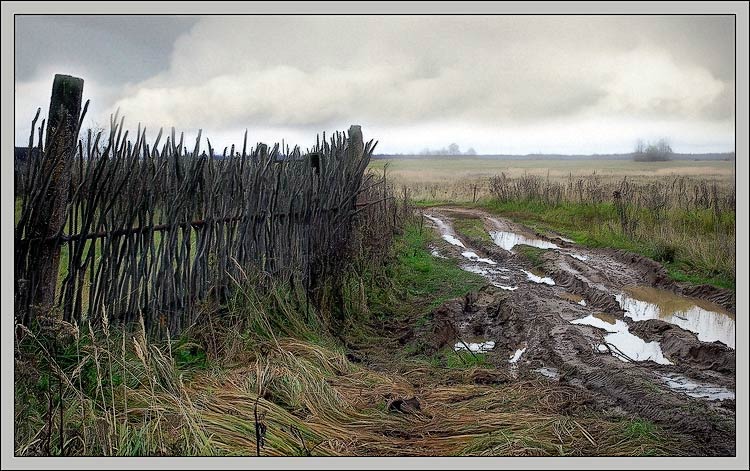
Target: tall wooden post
(59, 148)
(356, 144)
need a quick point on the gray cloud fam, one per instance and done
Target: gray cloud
(476, 76)
(118, 49)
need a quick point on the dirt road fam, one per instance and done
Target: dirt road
(607, 321)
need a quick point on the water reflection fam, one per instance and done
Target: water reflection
(506, 288)
(539, 279)
(517, 356)
(508, 240)
(473, 256)
(691, 388)
(476, 347)
(445, 231)
(623, 344)
(709, 321)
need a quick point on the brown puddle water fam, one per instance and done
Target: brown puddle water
(573, 298)
(608, 318)
(709, 321)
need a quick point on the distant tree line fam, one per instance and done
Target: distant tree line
(452, 149)
(652, 152)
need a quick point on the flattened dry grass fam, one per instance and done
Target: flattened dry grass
(315, 402)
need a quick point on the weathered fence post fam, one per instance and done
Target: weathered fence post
(356, 144)
(59, 146)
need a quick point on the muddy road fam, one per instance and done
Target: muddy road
(604, 320)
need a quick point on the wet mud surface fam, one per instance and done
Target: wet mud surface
(603, 320)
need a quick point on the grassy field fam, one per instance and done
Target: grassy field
(684, 242)
(696, 244)
(449, 170)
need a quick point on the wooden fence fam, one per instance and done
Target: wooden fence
(118, 226)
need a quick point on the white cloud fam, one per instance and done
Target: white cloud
(426, 81)
(33, 94)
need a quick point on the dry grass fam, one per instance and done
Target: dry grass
(310, 400)
(454, 179)
(316, 402)
(270, 369)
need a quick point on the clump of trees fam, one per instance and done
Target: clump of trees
(452, 149)
(652, 152)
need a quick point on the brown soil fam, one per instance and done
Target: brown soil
(537, 317)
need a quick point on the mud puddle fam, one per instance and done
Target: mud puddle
(577, 256)
(435, 252)
(645, 361)
(517, 355)
(447, 234)
(549, 372)
(685, 385)
(564, 239)
(490, 272)
(445, 231)
(479, 346)
(621, 342)
(501, 286)
(710, 322)
(539, 278)
(573, 298)
(476, 258)
(508, 240)
(497, 276)
(483, 266)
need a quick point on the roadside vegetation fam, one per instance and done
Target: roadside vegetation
(684, 242)
(271, 372)
(685, 223)
(266, 374)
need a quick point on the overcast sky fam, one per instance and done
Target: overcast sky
(499, 84)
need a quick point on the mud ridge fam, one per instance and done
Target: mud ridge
(683, 347)
(594, 297)
(723, 297)
(612, 384)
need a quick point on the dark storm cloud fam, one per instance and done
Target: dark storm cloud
(119, 48)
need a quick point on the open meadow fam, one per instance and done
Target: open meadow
(679, 212)
(449, 174)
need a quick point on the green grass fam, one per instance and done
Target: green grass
(685, 242)
(533, 254)
(639, 429)
(464, 359)
(422, 281)
(472, 228)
